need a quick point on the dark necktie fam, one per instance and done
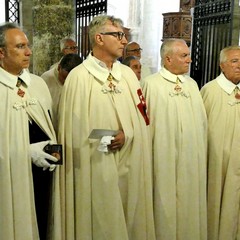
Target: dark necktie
(20, 92)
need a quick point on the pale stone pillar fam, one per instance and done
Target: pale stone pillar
(26, 20)
(46, 23)
(236, 23)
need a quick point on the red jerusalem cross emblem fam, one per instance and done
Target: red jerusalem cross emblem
(142, 106)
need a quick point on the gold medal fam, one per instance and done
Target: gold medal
(177, 88)
(111, 85)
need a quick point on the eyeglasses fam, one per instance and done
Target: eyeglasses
(118, 35)
(136, 50)
(72, 48)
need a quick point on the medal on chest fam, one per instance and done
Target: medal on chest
(236, 91)
(111, 85)
(20, 92)
(177, 88)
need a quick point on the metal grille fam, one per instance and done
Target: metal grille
(85, 11)
(212, 31)
(12, 11)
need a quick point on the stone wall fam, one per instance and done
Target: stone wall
(52, 20)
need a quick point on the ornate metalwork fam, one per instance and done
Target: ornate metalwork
(177, 25)
(212, 24)
(85, 11)
(12, 11)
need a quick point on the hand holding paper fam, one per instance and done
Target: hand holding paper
(110, 139)
(117, 142)
(105, 141)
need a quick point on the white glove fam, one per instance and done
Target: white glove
(39, 157)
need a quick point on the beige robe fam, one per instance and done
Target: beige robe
(223, 111)
(106, 195)
(55, 88)
(145, 71)
(178, 130)
(17, 210)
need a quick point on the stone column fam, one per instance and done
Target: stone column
(46, 23)
(135, 18)
(236, 23)
(26, 20)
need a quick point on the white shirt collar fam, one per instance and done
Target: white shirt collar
(10, 80)
(25, 76)
(99, 62)
(225, 84)
(170, 76)
(99, 69)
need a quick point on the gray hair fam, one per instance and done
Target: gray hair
(224, 51)
(167, 47)
(63, 42)
(128, 59)
(127, 46)
(98, 23)
(3, 28)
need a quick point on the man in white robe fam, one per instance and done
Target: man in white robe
(134, 49)
(178, 131)
(222, 101)
(25, 105)
(107, 187)
(67, 46)
(134, 63)
(55, 78)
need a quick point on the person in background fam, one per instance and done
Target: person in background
(103, 128)
(134, 49)
(26, 128)
(221, 98)
(127, 32)
(67, 46)
(55, 79)
(128, 36)
(179, 146)
(134, 63)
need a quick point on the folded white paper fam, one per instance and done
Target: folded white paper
(99, 133)
(105, 141)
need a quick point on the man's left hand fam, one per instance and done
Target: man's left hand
(117, 142)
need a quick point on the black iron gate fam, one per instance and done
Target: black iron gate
(212, 31)
(12, 11)
(85, 11)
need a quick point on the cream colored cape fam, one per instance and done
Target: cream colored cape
(178, 130)
(17, 211)
(55, 88)
(145, 71)
(106, 195)
(223, 111)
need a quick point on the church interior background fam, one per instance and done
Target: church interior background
(200, 22)
(143, 18)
